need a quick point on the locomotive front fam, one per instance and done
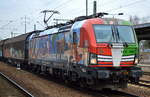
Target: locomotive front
(113, 53)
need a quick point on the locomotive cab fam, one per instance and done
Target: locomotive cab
(112, 51)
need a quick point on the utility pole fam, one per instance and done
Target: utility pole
(11, 34)
(14, 34)
(114, 20)
(86, 7)
(94, 7)
(25, 24)
(25, 20)
(34, 27)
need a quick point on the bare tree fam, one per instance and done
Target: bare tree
(134, 19)
(145, 19)
(137, 20)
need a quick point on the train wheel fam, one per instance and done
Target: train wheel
(82, 83)
(106, 90)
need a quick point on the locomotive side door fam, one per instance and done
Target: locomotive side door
(74, 47)
(77, 50)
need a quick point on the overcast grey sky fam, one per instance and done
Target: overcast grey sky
(12, 12)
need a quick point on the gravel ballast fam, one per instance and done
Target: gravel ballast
(41, 87)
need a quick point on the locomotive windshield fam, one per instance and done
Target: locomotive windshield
(103, 33)
(111, 33)
(126, 34)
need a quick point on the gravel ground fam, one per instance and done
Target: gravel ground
(11, 90)
(140, 91)
(145, 77)
(40, 87)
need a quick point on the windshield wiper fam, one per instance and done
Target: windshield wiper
(113, 34)
(125, 44)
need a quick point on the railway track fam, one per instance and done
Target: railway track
(144, 83)
(93, 92)
(22, 90)
(146, 73)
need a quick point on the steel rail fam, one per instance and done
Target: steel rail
(146, 73)
(142, 83)
(145, 81)
(24, 91)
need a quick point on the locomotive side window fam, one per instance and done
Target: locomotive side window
(67, 39)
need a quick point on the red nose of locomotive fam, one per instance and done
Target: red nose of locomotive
(113, 55)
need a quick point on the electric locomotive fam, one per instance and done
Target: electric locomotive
(92, 51)
(97, 52)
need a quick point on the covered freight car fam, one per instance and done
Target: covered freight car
(1, 50)
(14, 49)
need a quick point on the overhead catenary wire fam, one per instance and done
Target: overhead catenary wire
(6, 24)
(62, 4)
(75, 9)
(90, 7)
(124, 6)
(114, 9)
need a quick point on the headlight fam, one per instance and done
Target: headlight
(136, 61)
(93, 59)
